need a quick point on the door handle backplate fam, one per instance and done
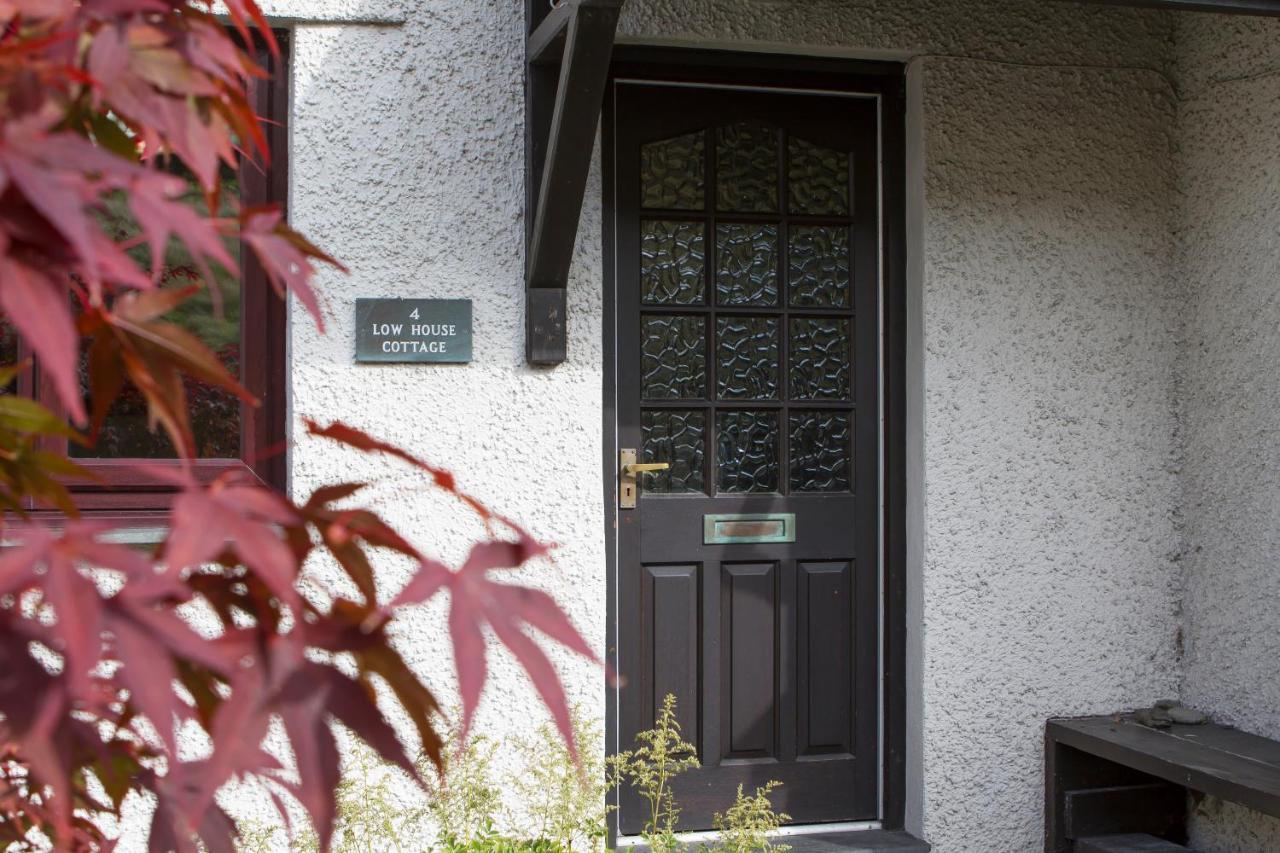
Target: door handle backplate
(628, 473)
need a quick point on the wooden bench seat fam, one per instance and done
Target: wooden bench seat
(1111, 775)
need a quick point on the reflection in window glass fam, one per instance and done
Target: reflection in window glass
(215, 413)
(8, 353)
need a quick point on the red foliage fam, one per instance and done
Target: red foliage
(99, 665)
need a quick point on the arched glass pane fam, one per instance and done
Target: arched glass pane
(672, 173)
(817, 179)
(747, 168)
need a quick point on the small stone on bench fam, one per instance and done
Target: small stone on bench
(1166, 712)
(1187, 716)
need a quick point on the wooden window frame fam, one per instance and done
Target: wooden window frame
(123, 485)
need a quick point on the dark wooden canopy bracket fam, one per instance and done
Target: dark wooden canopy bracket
(567, 62)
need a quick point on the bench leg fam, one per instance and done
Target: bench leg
(1132, 843)
(1089, 796)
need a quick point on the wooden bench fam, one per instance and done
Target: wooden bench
(1110, 781)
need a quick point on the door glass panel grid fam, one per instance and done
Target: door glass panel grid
(765, 406)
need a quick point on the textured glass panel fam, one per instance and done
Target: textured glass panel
(746, 264)
(817, 179)
(747, 168)
(820, 452)
(215, 413)
(673, 260)
(672, 173)
(819, 262)
(673, 358)
(677, 437)
(820, 354)
(747, 358)
(747, 451)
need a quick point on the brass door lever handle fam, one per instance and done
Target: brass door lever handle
(629, 471)
(633, 468)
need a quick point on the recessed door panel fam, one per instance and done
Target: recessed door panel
(749, 626)
(825, 658)
(671, 641)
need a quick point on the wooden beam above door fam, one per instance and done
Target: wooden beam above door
(567, 62)
(1230, 7)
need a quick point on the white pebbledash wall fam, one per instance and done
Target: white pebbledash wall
(1048, 306)
(1048, 310)
(1229, 129)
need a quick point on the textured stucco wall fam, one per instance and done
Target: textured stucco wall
(408, 164)
(1050, 572)
(1050, 579)
(1047, 312)
(1229, 124)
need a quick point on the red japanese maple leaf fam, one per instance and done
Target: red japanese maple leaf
(509, 610)
(476, 600)
(233, 514)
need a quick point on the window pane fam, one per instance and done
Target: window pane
(820, 367)
(215, 414)
(818, 179)
(820, 451)
(747, 168)
(747, 265)
(673, 357)
(819, 262)
(747, 451)
(747, 358)
(677, 437)
(671, 173)
(672, 262)
(8, 353)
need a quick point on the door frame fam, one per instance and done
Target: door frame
(886, 81)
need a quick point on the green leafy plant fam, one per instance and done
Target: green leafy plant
(372, 817)
(487, 839)
(746, 826)
(565, 802)
(650, 768)
(562, 803)
(464, 812)
(466, 802)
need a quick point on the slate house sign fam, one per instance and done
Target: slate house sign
(413, 330)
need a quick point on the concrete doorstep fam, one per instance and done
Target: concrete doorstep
(862, 841)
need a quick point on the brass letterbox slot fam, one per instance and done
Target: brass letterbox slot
(749, 529)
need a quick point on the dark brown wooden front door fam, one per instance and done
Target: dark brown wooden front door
(747, 326)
